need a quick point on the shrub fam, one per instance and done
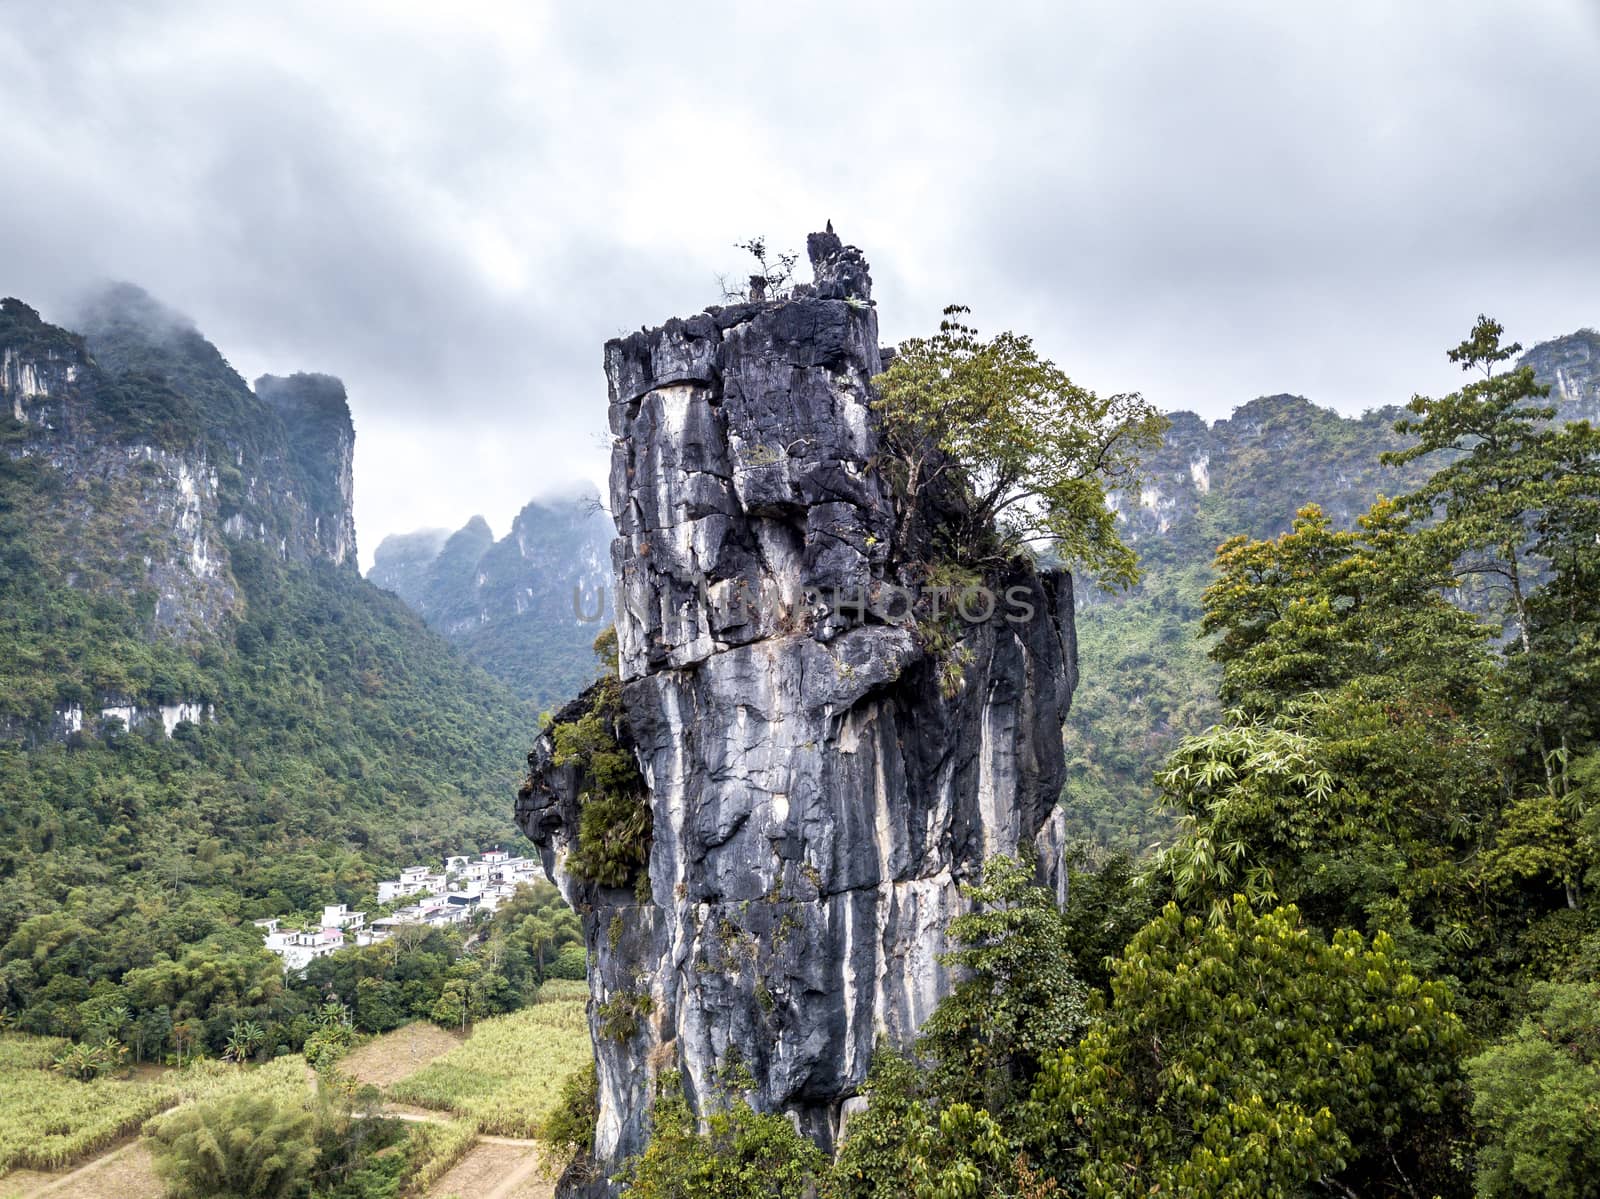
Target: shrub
(569, 1128)
(1537, 1099)
(620, 1016)
(90, 1060)
(240, 1147)
(614, 821)
(743, 1154)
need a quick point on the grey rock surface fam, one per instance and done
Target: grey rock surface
(819, 790)
(164, 463)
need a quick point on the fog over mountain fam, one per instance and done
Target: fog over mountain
(450, 210)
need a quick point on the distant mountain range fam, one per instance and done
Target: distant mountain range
(527, 607)
(1146, 681)
(206, 714)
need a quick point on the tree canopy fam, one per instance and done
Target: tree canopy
(1029, 452)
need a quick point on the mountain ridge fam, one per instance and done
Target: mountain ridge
(526, 607)
(207, 715)
(1147, 682)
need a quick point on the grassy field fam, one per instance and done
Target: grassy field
(434, 1150)
(18, 1051)
(501, 1080)
(507, 1074)
(388, 1058)
(564, 988)
(48, 1121)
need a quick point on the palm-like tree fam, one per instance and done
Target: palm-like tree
(333, 1014)
(82, 1062)
(244, 1039)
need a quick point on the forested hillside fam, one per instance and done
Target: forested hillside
(1146, 679)
(526, 608)
(208, 716)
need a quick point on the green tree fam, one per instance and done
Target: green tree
(741, 1154)
(1319, 607)
(1016, 999)
(1508, 467)
(1105, 907)
(908, 1145)
(1246, 1056)
(453, 1008)
(1557, 678)
(1364, 810)
(1501, 449)
(1029, 452)
(380, 1004)
(244, 1147)
(1536, 1100)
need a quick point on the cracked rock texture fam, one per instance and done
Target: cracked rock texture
(817, 796)
(160, 460)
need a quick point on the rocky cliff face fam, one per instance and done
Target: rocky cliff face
(1571, 367)
(149, 458)
(819, 782)
(319, 444)
(1251, 472)
(526, 607)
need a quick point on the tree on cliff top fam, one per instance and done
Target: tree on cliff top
(1031, 451)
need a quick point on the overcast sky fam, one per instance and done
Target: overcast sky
(453, 206)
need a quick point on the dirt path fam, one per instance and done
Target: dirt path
(494, 1168)
(124, 1173)
(488, 1171)
(512, 1185)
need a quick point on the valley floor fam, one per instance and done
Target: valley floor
(493, 1167)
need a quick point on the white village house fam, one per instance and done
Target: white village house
(448, 898)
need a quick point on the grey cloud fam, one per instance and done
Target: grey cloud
(452, 210)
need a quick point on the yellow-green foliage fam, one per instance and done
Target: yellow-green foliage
(209, 1079)
(434, 1148)
(48, 1120)
(508, 1074)
(19, 1051)
(554, 989)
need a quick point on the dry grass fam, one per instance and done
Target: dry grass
(508, 1073)
(436, 1148)
(479, 1171)
(398, 1054)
